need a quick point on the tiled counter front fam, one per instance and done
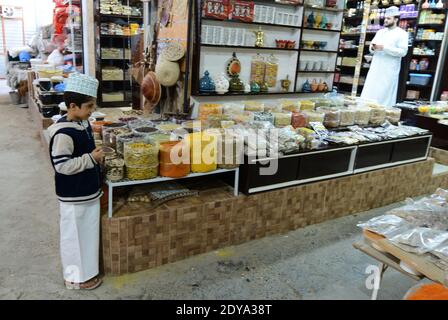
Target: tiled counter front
(193, 226)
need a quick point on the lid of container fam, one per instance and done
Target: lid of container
(420, 75)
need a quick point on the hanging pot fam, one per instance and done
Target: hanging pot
(167, 72)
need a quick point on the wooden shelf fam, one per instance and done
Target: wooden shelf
(336, 10)
(428, 86)
(117, 36)
(236, 94)
(425, 40)
(424, 55)
(121, 16)
(431, 25)
(247, 47)
(320, 29)
(422, 71)
(253, 23)
(314, 50)
(304, 71)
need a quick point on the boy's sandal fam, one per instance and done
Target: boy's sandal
(88, 285)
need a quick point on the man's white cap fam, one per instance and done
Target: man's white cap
(392, 12)
(83, 84)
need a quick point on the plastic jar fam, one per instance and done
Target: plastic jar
(140, 154)
(128, 137)
(347, 117)
(114, 169)
(110, 135)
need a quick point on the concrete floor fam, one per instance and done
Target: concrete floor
(317, 262)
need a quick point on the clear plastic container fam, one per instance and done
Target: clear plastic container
(347, 117)
(314, 116)
(114, 169)
(128, 137)
(140, 154)
(298, 120)
(142, 173)
(377, 116)
(264, 116)
(393, 115)
(282, 119)
(110, 135)
(420, 79)
(362, 116)
(332, 117)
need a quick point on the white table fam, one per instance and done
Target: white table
(126, 182)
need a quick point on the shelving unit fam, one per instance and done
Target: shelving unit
(425, 92)
(361, 17)
(212, 57)
(123, 44)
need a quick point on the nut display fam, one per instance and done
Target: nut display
(140, 154)
(110, 135)
(128, 137)
(141, 173)
(114, 169)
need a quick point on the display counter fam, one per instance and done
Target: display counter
(308, 166)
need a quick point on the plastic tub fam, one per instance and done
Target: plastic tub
(419, 79)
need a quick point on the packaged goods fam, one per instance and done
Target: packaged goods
(264, 116)
(282, 119)
(332, 117)
(254, 106)
(208, 109)
(393, 115)
(298, 120)
(362, 116)
(291, 106)
(233, 108)
(347, 117)
(377, 115)
(307, 105)
(314, 116)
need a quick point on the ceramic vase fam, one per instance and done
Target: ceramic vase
(222, 84)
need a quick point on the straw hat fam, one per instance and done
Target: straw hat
(167, 72)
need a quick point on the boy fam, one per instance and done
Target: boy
(77, 175)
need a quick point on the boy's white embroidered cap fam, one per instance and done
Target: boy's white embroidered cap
(83, 84)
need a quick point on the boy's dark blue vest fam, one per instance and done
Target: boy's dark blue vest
(84, 183)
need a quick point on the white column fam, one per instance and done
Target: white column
(88, 31)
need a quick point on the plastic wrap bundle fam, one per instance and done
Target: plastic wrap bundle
(203, 147)
(288, 140)
(393, 115)
(214, 121)
(298, 120)
(377, 115)
(332, 117)
(141, 160)
(307, 105)
(174, 159)
(322, 103)
(254, 106)
(233, 108)
(314, 116)
(291, 106)
(362, 116)
(128, 137)
(273, 108)
(245, 117)
(264, 116)
(347, 117)
(230, 150)
(282, 119)
(208, 109)
(110, 135)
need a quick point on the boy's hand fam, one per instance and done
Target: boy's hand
(98, 154)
